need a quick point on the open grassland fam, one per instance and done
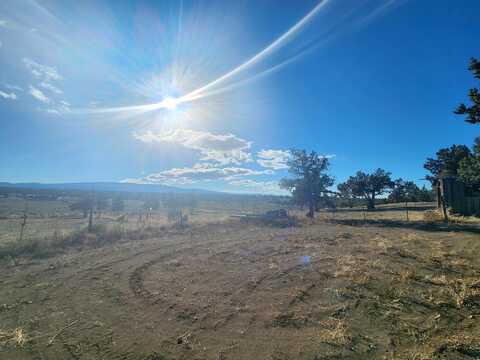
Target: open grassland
(348, 285)
(48, 220)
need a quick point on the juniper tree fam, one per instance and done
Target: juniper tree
(369, 186)
(310, 182)
(448, 159)
(472, 111)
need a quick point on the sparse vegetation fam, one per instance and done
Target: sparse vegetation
(334, 285)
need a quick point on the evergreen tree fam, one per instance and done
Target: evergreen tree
(369, 186)
(472, 111)
(311, 181)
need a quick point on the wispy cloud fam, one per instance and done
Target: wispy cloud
(273, 159)
(40, 71)
(199, 173)
(13, 87)
(224, 149)
(61, 108)
(39, 95)
(3, 23)
(50, 87)
(260, 187)
(10, 96)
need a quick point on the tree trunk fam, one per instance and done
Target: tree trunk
(311, 209)
(371, 202)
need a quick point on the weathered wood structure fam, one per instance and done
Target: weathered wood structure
(457, 196)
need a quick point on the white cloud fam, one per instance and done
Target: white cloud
(39, 95)
(273, 159)
(224, 149)
(10, 96)
(277, 159)
(13, 87)
(50, 87)
(261, 187)
(3, 23)
(198, 173)
(40, 71)
(329, 156)
(62, 108)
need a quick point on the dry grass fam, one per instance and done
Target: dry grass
(335, 332)
(369, 290)
(15, 337)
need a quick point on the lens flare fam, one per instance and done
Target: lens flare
(170, 103)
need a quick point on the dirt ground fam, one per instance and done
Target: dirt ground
(336, 289)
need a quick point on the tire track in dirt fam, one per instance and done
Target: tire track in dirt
(137, 286)
(137, 277)
(105, 266)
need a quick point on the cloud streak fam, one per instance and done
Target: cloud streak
(203, 172)
(50, 87)
(258, 187)
(221, 148)
(11, 96)
(38, 94)
(41, 71)
(273, 159)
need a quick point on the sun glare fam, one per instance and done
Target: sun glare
(170, 103)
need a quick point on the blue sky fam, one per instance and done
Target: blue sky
(210, 94)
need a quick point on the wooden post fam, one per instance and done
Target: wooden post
(23, 223)
(406, 208)
(90, 216)
(444, 210)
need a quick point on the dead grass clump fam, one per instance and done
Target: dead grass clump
(437, 216)
(433, 216)
(335, 332)
(346, 266)
(465, 295)
(411, 237)
(376, 264)
(461, 219)
(439, 280)
(464, 344)
(406, 275)
(344, 235)
(16, 337)
(460, 262)
(464, 292)
(382, 245)
(361, 279)
(289, 319)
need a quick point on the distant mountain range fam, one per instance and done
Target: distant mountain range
(102, 186)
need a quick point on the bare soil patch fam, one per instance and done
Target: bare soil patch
(326, 290)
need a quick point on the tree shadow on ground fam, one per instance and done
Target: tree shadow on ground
(414, 225)
(387, 209)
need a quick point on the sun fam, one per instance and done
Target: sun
(170, 103)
